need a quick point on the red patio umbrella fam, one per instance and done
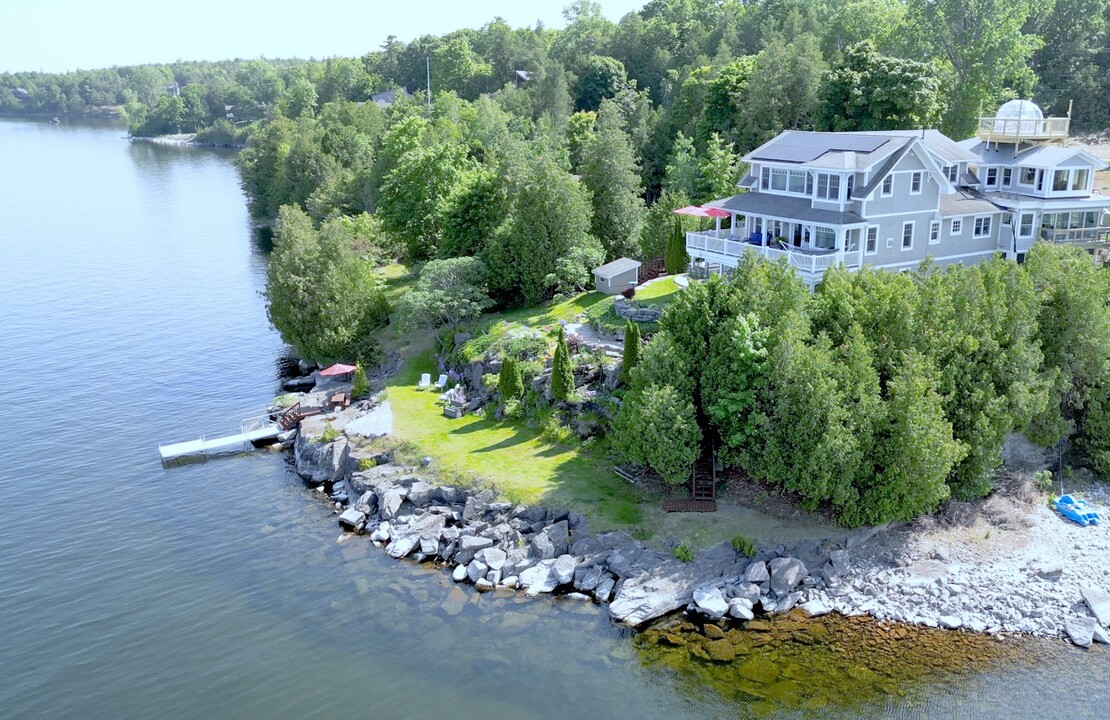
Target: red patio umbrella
(338, 369)
(699, 211)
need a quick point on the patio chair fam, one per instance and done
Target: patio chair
(425, 382)
(441, 383)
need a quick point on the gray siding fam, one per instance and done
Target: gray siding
(618, 282)
(902, 201)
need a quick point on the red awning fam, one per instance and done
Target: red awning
(338, 369)
(697, 211)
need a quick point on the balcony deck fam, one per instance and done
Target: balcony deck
(722, 246)
(1088, 238)
(1015, 130)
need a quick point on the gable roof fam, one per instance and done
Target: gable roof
(883, 171)
(616, 267)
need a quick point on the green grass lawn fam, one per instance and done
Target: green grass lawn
(509, 456)
(658, 294)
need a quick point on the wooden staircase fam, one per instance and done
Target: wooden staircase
(703, 490)
(293, 415)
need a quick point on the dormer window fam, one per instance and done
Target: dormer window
(915, 183)
(888, 186)
(952, 172)
(828, 186)
(992, 177)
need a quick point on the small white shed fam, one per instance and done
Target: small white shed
(613, 277)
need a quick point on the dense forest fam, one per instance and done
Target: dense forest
(544, 153)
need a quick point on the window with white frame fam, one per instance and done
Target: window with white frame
(992, 177)
(824, 238)
(888, 186)
(797, 182)
(957, 227)
(982, 227)
(1025, 225)
(851, 184)
(1060, 180)
(907, 235)
(872, 245)
(952, 172)
(1007, 176)
(934, 233)
(828, 186)
(765, 179)
(915, 183)
(1079, 179)
(1028, 176)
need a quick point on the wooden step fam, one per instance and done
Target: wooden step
(688, 505)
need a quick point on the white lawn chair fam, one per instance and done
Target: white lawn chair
(441, 383)
(425, 382)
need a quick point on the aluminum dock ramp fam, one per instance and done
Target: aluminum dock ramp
(244, 440)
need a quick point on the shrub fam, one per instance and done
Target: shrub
(510, 384)
(329, 435)
(367, 463)
(743, 544)
(360, 388)
(556, 433)
(1043, 479)
(657, 427)
(631, 351)
(562, 374)
(629, 293)
(683, 553)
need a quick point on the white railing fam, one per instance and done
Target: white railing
(1078, 235)
(996, 128)
(721, 243)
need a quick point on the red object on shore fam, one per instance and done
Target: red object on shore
(338, 369)
(697, 211)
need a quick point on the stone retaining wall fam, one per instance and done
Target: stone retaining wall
(631, 311)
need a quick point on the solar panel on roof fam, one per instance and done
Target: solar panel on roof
(804, 147)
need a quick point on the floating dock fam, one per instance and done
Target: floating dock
(241, 441)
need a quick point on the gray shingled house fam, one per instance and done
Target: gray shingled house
(890, 199)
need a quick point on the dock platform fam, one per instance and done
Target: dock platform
(239, 442)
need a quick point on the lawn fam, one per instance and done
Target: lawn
(657, 293)
(510, 456)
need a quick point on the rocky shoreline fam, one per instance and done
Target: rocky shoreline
(495, 545)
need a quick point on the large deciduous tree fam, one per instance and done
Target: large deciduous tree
(869, 91)
(446, 293)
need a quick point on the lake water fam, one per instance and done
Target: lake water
(130, 316)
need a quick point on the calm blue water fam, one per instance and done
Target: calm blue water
(130, 316)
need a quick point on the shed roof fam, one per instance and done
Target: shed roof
(616, 267)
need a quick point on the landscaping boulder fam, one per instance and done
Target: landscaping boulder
(469, 545)
(353, 519)
(710, 602)
(741, 608)
(539, 579)
(786, 574)
(757, 573)
(563, 570)
(1081, 630)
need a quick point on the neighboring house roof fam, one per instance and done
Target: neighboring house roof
(523, 75)
(965, 202)
(389, 96)
(617, 267)
(787, 208)
(882, 172)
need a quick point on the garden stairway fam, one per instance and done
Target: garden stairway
(703, 491)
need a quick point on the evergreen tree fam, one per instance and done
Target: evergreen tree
(632, 349)
(360, 387)
(562, 374)
(609, 171)
(675, 257)
(510, 384)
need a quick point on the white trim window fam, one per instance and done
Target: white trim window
(992, 177)
(782, 180)
(828, 186)
(1028, 176)
(982, 227)
(872, 245)
(888, 186)
(952, 172)
(1025, 225)
(824, 238)
(957, 227)
(1007, 177)
(934, 233)
(907, 235)
(915, 182)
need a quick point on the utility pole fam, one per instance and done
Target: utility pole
(428, 66)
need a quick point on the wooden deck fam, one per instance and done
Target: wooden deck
(688, 505)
